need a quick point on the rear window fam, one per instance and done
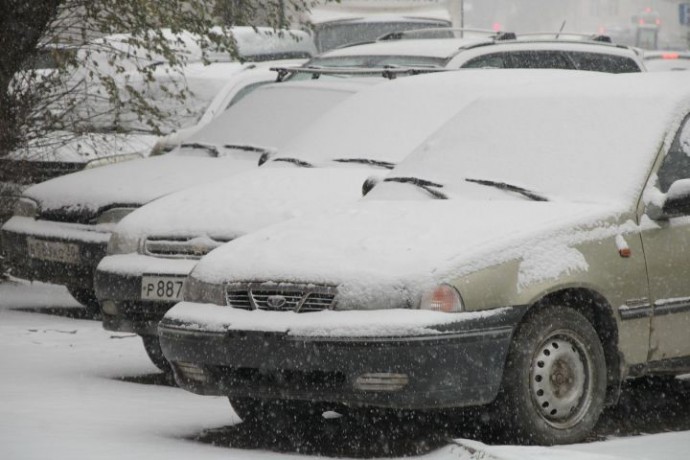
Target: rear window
(555, 60)
(604, 62)
(521, 60)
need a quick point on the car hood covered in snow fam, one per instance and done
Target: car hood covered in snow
(229, 208)
(384, 253)
(132, 183)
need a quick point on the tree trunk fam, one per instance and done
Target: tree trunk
(22, 25)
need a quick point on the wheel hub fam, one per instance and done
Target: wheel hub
(559, 380)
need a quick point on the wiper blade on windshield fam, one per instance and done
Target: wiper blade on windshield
(247, 148)
(212, 149)
(367, 161)
(424, 184)
(296, 161)
(509, 187)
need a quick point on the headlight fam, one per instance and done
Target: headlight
(443, 297)
(122, 244)
(196, 290)
(26, 207)
(113, 215)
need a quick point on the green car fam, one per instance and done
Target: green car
(530, 256)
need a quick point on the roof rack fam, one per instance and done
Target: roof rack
(567, 36)
(389, 72)
(444, 32)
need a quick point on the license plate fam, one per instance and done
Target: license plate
(162, 287)
(53, 250)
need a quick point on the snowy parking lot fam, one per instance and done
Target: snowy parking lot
(70, 390)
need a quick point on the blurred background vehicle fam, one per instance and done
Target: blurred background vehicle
(657, 61)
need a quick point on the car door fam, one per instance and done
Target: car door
(667, 251)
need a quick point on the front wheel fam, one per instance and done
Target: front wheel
(554, 384)
(273, 412)
(153, 350)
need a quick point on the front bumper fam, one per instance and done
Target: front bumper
(91, 246)
(118, 279)
(456, 367)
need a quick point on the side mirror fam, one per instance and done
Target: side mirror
(676, 202)
(369, 184)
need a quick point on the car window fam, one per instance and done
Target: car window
(676, 164)
(334, 35)
(538, 60)
(603, 62)
(244, 91)
(494, 61)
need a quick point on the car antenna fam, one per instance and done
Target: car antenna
(561, 29)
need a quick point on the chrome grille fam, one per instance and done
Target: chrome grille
(181, 247)
(280, 297)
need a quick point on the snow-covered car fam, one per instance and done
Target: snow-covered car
(106, 138)
(661, 61)
(152, 250)
(496, 50)
(532, 254)
(60, 228)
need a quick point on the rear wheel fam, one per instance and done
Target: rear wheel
(86, 297)
(554, 385)
(153, 350)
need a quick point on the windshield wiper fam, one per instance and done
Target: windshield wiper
(509, 187)
(247, 148)
(296, 161)
(366, 161)
(212, 149)
(425, 185)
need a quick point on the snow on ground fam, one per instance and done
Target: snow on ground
(71, 390)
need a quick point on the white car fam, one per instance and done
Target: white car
(532, 255)
(153, 249)
(477, 50)
(61, 227)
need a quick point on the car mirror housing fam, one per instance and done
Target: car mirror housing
(369, 183)
(265, 157)
(676, 202)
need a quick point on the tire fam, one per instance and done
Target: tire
(153, 350)
(554, 385)
(273, 412)
(86, 297)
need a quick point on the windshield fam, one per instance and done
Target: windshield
(534, 149)
(265, 119)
